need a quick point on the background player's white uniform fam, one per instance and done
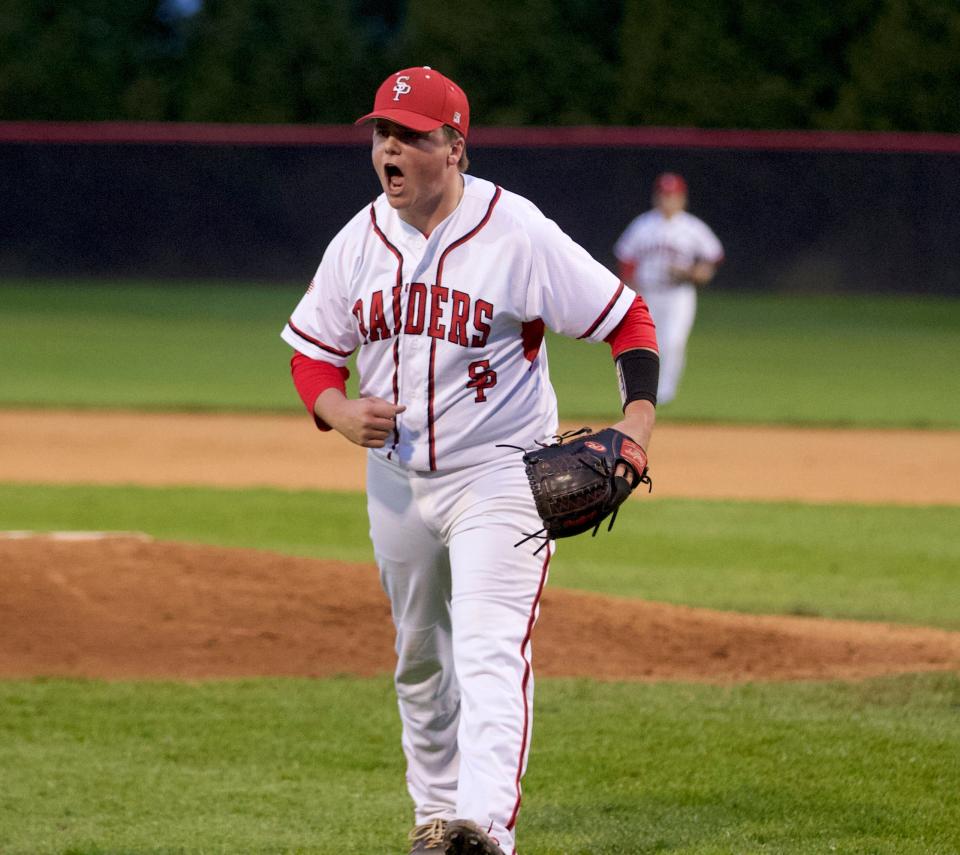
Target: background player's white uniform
(655, 243)
(452, 327)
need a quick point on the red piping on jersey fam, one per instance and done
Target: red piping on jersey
(431, 382)
(431, 428)
(396, 342)
(604, 313)
(469, 234)
(317, 342)
(523, 686)
(396, 389)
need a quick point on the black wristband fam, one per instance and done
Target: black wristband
(639, 373)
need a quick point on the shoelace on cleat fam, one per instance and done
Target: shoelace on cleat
(430, 833)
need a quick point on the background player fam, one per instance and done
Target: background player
(445, 285)
(666, 254)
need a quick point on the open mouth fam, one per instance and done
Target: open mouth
(394, 176)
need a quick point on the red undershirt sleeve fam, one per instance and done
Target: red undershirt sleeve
(636, 330)
(314, 376)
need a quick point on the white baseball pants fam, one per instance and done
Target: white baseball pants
(673, 310)
(464, 603)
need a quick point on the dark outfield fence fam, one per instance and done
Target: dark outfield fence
(806, 211)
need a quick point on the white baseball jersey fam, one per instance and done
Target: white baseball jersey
(655, 243)
(451, 325)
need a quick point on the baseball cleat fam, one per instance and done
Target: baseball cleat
(464, 837)
(428, 837)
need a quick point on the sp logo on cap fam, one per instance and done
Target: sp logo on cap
(422, 100)
(401, 87)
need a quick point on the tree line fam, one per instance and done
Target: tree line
(792, 64)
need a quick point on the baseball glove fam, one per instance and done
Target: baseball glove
(574, 481)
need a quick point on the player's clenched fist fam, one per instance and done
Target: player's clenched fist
(366, 421)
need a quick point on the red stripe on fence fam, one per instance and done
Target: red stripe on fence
(187, 133)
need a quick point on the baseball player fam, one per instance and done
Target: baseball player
(444, 285)
(666, 254)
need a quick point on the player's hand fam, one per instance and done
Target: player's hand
(637, 423)
(368, 422)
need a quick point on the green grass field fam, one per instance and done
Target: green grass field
(803, 360)
(271, 766)
(314, 766)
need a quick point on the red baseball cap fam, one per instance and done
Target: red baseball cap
(670, 182)
(421, 99)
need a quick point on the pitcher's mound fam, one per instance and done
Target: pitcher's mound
(129, 608)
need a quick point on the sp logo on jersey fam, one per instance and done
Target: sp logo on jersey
(401, 87)
(482, 377)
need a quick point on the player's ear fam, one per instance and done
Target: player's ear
(456, 151)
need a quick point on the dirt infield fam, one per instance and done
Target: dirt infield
(123, 607)
(899, 467)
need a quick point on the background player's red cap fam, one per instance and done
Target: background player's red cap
(421, 99)
(670, 182)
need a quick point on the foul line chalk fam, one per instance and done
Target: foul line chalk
(75, 535)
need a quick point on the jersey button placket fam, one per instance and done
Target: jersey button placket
(407, 387)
